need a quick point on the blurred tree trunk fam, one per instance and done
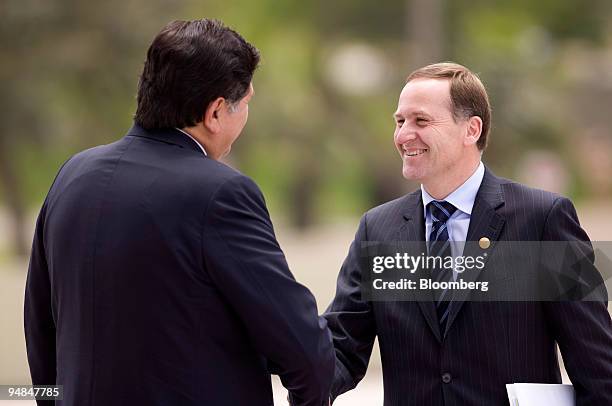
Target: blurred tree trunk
(424, 32)
(12, 195)
(304, 188)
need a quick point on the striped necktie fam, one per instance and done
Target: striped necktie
(439, 246)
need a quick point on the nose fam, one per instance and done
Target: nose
(405, 134)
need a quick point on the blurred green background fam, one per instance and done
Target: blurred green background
(319, 137)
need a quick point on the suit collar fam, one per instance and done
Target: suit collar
(413, 207)
(489, 198)
(193, 139)
(167, 135)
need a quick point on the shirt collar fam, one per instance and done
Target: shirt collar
(464, 196)
(194, 140)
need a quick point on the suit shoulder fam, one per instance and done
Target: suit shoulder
(178, 171)
(392, 208)
(535, 206)
(223, 175)
(222, 183)
(205, 167)
(529, 197)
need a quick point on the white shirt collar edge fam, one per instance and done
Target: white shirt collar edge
(194, 140)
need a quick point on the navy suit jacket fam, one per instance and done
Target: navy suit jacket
(486, 344)
(156, 279)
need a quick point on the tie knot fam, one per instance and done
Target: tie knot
(441, 211)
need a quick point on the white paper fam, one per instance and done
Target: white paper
(512, 394)
(538, 394)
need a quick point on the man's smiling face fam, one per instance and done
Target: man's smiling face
(427, 136)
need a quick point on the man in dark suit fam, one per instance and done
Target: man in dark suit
(155, 276)
(449, 350)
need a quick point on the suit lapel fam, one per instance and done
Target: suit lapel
(484, 222)
(413, 230)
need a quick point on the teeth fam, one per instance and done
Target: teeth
(415, 152)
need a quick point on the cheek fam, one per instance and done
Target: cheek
(452, 149)
(444, 140)
(239, 126)
(430, 137)
(244, 119)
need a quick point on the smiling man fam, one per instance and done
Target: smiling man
(155, 276)
(448, 350)
(440, 144)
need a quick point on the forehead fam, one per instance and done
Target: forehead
(428, 95)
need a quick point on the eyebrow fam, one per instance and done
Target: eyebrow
(397, 115)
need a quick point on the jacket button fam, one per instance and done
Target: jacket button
(446, 377)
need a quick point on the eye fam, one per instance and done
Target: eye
(421, 122)
(399, 122)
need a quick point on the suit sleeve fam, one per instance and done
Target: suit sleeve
(351, 321)
(583, 329)
(38, 316)
(247, 265)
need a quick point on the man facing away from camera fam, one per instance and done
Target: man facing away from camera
(446, 351)
(155, 276)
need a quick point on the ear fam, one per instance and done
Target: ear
(473, 130)
(212, 115)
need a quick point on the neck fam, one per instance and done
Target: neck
(442, 186)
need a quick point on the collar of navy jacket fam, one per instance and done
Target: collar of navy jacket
(167, 135)
(485, 221)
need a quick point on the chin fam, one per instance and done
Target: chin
(412, 173)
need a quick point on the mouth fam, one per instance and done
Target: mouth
(412, 152)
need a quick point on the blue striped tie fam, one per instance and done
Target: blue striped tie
(439, 246)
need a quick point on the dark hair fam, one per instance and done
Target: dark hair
(190, 64)
(467, 93)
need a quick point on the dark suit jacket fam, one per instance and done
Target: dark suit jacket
(156, 279)
(486, 344)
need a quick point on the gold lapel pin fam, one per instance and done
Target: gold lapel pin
(484, 243)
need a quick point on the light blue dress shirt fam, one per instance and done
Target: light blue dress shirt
(463, 199)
